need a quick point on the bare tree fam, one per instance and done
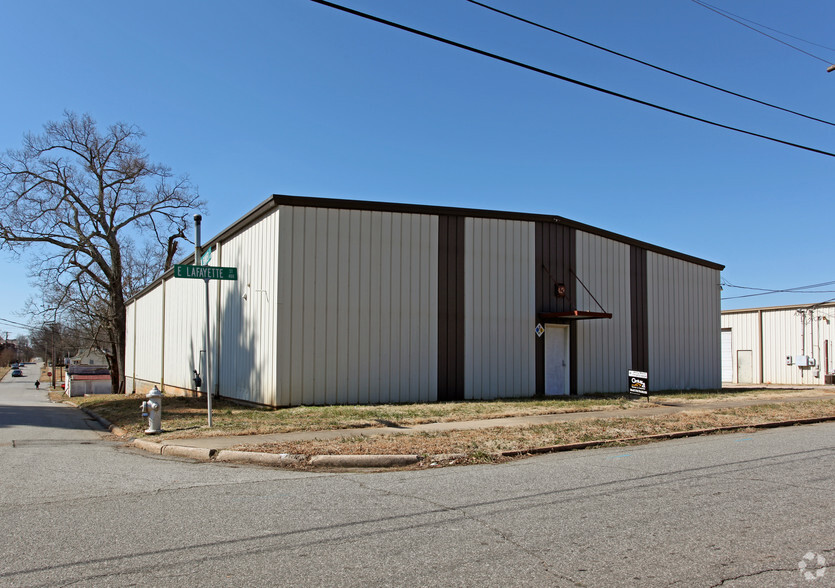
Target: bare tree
(93, 206)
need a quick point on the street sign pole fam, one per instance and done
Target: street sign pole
(204, 365)
(206, 388)
(199, 271)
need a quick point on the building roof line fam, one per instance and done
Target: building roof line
(277, 200)
(314, 202)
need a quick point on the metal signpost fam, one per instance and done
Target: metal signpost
(204, 272)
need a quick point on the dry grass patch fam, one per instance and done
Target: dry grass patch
(476, 444)
(187, 417)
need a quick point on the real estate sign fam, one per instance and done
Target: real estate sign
(639, 383)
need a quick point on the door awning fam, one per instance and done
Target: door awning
(576, 315)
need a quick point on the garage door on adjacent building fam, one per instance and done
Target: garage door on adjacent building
(727, 357)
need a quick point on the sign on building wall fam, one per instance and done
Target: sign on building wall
(639, 383)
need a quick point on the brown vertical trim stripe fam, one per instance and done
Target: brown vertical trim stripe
(639, 308)
(554, 256)
(451, 308)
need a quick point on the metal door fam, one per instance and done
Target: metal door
(556, 360)
(745, 366)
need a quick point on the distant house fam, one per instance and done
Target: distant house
(90, 356)
(81, 380)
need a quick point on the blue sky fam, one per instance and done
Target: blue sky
(290, 97)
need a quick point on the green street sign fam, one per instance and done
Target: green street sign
(205, 272)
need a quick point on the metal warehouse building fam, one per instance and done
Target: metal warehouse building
(778, 345)
(344, 302)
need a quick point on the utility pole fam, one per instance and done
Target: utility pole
(54, 367)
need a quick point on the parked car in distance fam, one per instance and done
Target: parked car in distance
(17, 374)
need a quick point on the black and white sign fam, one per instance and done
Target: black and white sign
(638, 383)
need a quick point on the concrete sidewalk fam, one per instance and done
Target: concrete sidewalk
(225, 442)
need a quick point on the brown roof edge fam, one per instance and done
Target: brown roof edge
(477, 213)
(315, 202)
(228, 232)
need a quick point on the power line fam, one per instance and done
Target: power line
(738, 20)
(778, 292)
(565, 78)
(647, 64)
(15, 324)
(767, 291)
(768, 27)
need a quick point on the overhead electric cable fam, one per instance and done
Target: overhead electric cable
(767, 291)
(656, 67)
(728, 284)
(14, 323)
(768, 27)
(729, 16)
(779, 292)
(565, 78)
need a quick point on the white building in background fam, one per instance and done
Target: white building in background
(346, 302)
(778, 345)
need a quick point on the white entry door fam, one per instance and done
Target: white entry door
(556, 360)
(744, 366)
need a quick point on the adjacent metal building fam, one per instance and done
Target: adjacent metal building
(346, 302)
(778, 345)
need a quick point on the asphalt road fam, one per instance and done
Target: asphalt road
(730, 510)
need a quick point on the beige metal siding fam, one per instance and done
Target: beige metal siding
(149, 320)
(130, 347)
(358, 307)
(247, 313)
(500, 310)
(744, 336)
(782, 336)
(604, 346)
(684, 324)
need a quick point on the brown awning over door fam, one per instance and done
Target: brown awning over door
(577, 315)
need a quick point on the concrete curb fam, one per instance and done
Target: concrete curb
(101, 420)
(268, 459)
(198, 453)
(363, 461)
(149, 446)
